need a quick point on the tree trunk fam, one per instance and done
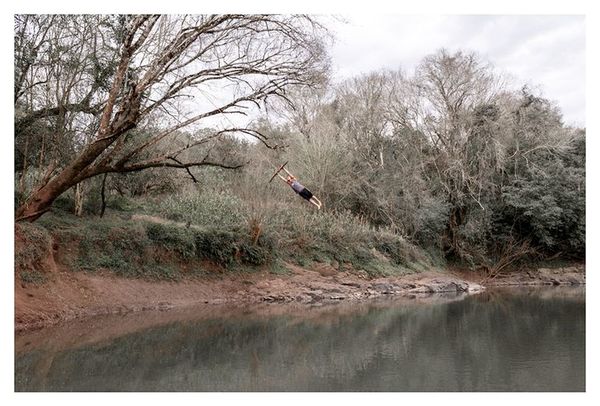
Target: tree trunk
(451, 240)
(103, 195)
(40, 201)
(78, 199)
(24, 171)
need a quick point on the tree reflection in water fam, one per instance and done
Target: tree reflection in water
(513, 340)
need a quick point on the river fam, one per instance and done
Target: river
(518, 339)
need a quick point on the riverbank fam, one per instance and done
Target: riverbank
(72, 269)
(70, 295)
(571, 274)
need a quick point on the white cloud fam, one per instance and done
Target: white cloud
(546, 52)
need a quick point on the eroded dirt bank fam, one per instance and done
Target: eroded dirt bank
(74, 295)
(69, 295)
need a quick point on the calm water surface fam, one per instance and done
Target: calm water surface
(507, 340)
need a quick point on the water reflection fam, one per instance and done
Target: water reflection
(514, 340)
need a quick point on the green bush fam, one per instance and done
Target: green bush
(218, 246)
(254, 254)
(547, 206)
(120, 203)
(172, 238)
(33, 277)
(64, 203)
(113, 262)
(105, 244)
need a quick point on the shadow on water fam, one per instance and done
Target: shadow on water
(502, 340)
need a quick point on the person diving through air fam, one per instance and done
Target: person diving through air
(296, 186)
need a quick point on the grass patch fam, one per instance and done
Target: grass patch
(279, 268)
(204, 210)
(151, 250)
(112, 244)
(32, 277)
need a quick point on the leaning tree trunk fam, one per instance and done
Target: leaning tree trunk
(40, 201)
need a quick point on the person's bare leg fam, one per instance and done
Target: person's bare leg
(316, 202)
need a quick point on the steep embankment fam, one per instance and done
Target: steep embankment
(52, 284)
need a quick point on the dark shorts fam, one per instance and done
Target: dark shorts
(305, 193)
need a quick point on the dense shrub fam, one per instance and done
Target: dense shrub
(218, 246)
(174, 238)
(548, 207)
(254, 255)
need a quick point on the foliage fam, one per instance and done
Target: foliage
(34, 247)
(173, 238)
(448, 159)
(32, 277)
(82, 84)
(547, 205)
(205, 209)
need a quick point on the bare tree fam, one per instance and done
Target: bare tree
(153, 63)
(453, 90)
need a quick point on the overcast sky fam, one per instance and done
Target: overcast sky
(546, 52)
